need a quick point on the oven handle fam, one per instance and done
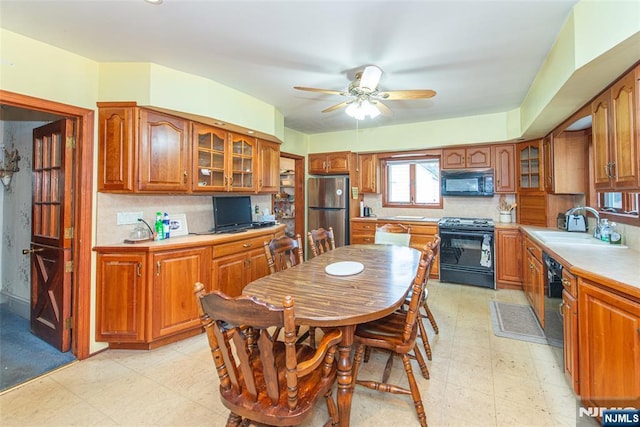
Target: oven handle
(465, 233)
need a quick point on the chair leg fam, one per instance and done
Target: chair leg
(432, 319)
(421, 363)
(234, 420)
(357, 360)
(387, 368)
(425, 337)
(312, 336)
(332, 409)
(415, 391)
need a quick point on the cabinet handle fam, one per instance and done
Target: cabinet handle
(530, 266)
(329, 165)
(565, 282)
(324, 164)
(158, 266)
(247, 245)
(560, 308)
(231, 180)
(185, 176)
(612, 169)
(139, 269)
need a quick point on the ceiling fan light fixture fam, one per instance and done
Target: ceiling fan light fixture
(370, 78)
(361, 109)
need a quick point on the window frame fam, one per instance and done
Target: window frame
(408, 157)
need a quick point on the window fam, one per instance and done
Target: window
(621, 203)
(412, 182)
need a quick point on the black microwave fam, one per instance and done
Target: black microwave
(467, 183)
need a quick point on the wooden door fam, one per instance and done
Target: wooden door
(368, 173)
(210, 151)
(116, 148)
(505, 168)
(547, 153)
(600, 139)
(453, 158)
(164, 152)
(478, 157)
(231, 273)
(268, 167)
(242, 167)
(508, 257)
(174, 274)
(338, 162)
(52, 233)
(317, 164)
(624, 137)
(570, 332)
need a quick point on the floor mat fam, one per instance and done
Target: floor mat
(24, 356)
(517, 321)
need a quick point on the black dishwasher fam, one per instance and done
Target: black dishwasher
(554, 277)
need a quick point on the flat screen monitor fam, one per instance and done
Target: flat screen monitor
(231, 213)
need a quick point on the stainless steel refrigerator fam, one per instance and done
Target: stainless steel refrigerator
(329, 206)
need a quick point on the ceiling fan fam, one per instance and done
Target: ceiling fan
(364, 96)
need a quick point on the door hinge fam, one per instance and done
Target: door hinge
(68, 267)
(68, 322)
(68, 233)
(71, 142)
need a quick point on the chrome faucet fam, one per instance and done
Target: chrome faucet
(594, 212)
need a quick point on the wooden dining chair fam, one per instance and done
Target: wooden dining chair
(397, 334)
(263, 380)
(435, 248)
(393, 234)
(321, 241)
(283, 252)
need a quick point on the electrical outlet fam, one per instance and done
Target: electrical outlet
(123, 218)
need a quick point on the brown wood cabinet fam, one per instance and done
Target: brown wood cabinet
(237, 263)
(268, 167)
(466, 157)
(146, 300)
(565, 162)
(534, 277)
(508, 258)
(615, 115)
(504, 165)
(542, 209)
(530, 163)
(335, 163)
(363, 232)
(117, 135)
(609, 329)
(570, 328)
(368, 173)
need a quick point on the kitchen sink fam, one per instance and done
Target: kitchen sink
(566, 238)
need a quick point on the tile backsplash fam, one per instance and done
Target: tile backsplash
(197, 209)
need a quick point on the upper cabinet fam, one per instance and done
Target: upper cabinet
(336, 163)
(615, 135)
(145, 151)
(368, 171)
(466, 157)
(529, 155)
(504, 165)
(565, 162)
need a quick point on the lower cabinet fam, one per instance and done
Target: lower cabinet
(508, 260)
(570, 329)
(534, 278)
(609, 330)
(146, 299)
(235, 264)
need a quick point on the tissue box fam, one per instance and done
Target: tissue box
(266, 218)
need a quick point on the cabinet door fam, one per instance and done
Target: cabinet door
(116, 148)
(529, 166)
(338, 163)
(174, 274)
(508, 257)
(121, 298)
(547, 154)
(504, 168)
(368, 170)
(478, 157)
(210, 147)
(624, 135)
(242, 167)
(258, 265)
(317, 164)
(164, 152)
(231, 273)
(268, 167)
(453, 158)
(609, 329)
(600, 140)
(570, 328)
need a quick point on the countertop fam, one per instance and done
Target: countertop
(615, 267)
(404, 218)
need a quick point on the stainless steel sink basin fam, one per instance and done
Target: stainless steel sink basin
(565, 238)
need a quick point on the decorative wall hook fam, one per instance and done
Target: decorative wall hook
(8, 165)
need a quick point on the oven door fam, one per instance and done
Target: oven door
(467, 257)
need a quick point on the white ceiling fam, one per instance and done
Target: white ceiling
(480, 56)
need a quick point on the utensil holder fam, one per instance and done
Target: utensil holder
(505, 216)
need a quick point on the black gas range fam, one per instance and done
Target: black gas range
(466, 251)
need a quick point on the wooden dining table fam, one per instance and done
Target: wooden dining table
(344, 300)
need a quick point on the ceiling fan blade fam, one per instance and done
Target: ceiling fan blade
(335, 107)
(313, 89)
(370, 77)
(407, 94)
(384, 110)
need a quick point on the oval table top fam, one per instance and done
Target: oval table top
(322, 299)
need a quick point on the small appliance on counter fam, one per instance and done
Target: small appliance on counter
(562, 221)
(576, 223)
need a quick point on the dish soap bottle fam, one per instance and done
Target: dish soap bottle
(158, 226)
(615, 238)
(165, 225)
(605, 230)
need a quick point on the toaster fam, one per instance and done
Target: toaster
(576, 223)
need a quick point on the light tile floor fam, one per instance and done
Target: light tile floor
(477, 379)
